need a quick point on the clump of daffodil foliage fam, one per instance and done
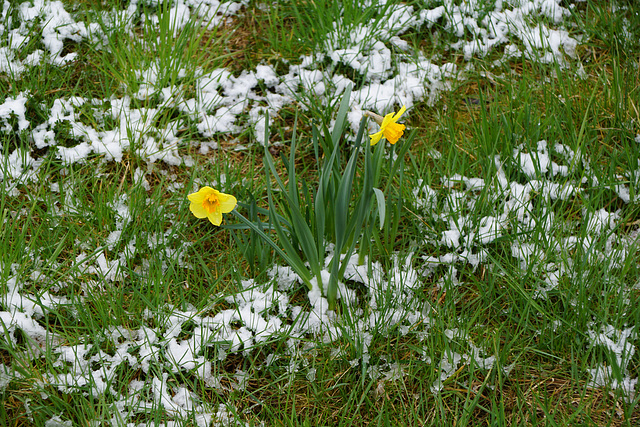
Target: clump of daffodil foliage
(340, 210)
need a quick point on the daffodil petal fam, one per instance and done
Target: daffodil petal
(227, 202)
(198, 211)
(386, 121)
(215, 218)
(375, 138)
(199, 196)
(400, 113)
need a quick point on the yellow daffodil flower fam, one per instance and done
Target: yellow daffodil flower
(388, 127)
(210, 203)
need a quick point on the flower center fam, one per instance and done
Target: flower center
(393, 132)
(211, 203)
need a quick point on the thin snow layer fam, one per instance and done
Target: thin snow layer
(511, 27)
(475, 214)
(615, 372)
(373, 51)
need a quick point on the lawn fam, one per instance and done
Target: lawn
(483, 269)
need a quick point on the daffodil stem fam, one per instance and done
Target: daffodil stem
(364, 247)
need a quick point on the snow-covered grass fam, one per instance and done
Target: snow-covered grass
(501, 289)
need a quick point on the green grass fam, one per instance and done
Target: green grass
(166, 271)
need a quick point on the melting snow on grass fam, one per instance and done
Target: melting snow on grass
(221, 97)
(471, 213)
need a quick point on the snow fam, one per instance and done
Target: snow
(617, 343)
(56, 421)
(14, 107)
(221, 96)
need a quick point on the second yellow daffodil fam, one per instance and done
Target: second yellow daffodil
(391, 130)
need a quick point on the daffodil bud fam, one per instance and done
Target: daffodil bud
(374, 116)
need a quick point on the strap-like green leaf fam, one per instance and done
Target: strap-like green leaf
(381, 205)
(338, 127)
(290, 257)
